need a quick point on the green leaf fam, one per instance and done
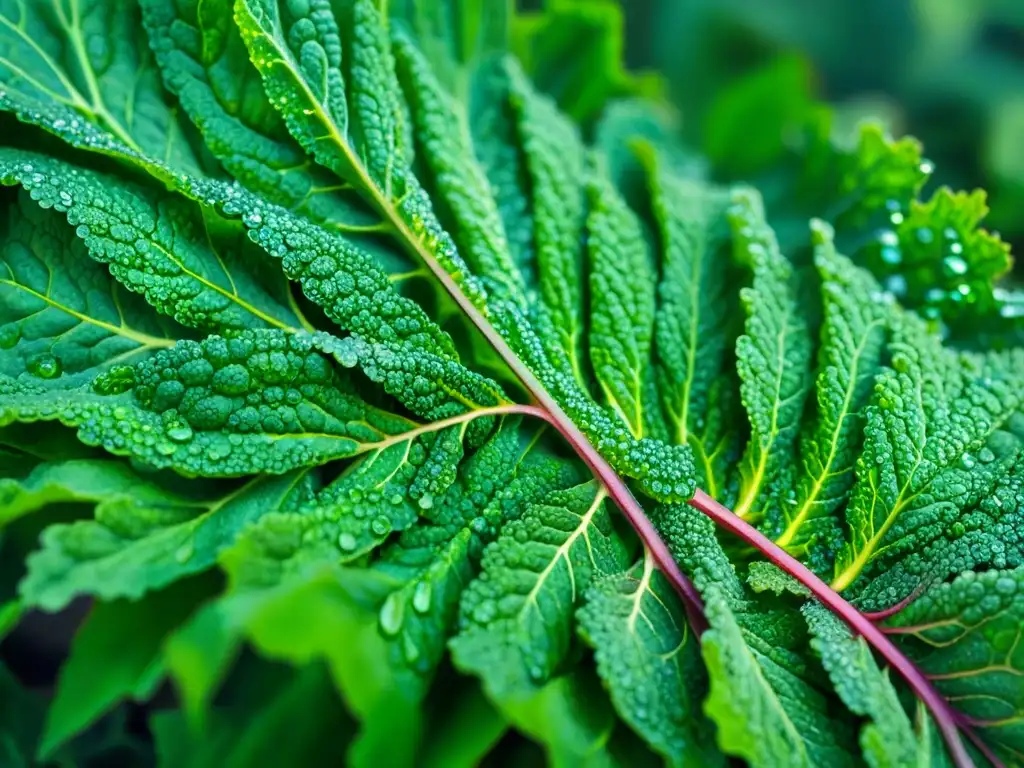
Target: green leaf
(766, 711)
(62, 70)
(936, 257)
(765, 698)
(649, 660)
(319, 612)
(744, 128)
(574, 50)
(692, 324)
(965, 635)
(888, 739)
(158, 245)
(205, 64)
(555, 159)
(850, 356)
(263, 401)
(772, 357)
(289, 719)
(22, 714)
(465, 734)
(80, 480)
(987, 532)
(438, 558)
(63, 318)
(134, 546)
(102, 668)
(764, 577)
(622, 301)
(929, 414)
(570, 716)
(512, 633)
(441, 129)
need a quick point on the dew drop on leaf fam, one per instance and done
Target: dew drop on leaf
(955, 265)
(381, 526)
(421, 597)
(410, 650)
(181, 433)
(184, 552)
(391, 615)
(45, 366)
(347, 542)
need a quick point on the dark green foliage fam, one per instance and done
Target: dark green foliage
(332, 335)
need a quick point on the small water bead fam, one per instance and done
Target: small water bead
(896, 285)
(391, 615)
(347, 542)
(1012, 311)
(891, 256)
(410, 650)
(181, 433)
(955, 266)
(381, 526)
(185, 552)
(45, 366)
(421, 597)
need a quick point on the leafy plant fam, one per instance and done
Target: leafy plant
(378, 367)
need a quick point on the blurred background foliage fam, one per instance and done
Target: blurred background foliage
(772, 91)
(950, 72)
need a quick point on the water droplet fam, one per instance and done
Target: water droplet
(391, 615)
(1012, 311)
(381, 526)
(410, 650)
(967, 461)
(347, 542)
(45, 366)
(185, 552)
(165, 448)
(896, 285)
(986, 456)
(181, 433)
(927, 167)
(421, 597)
(954, 265)
(924, 235)
(891, 256)
(426, 501)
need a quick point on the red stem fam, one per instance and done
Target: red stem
(630, 507)
(548, 409)
(948, 720)
(892, 610)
